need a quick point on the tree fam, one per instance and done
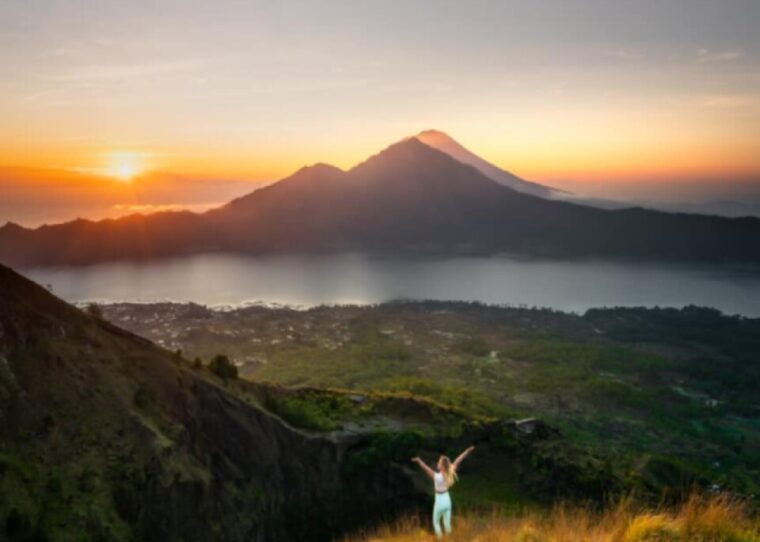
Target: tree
(222, 367)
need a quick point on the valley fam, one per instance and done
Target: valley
(666, 397)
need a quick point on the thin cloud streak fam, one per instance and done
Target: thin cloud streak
(705, 56)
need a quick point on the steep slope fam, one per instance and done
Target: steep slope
(446, 144)
(103, 436)
(408, 198)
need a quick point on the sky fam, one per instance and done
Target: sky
(646, 99)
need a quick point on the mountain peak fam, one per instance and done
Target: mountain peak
(308, 175)
(11, 227)
(443, 142)
(309, 178)
(433, 133)
(405, 153)
(417, 174)
(318, 171)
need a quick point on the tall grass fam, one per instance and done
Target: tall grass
(717, 518)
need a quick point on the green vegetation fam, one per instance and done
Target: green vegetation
(629, 385)
(316, 411)
(143, 398)
(474, 346)
(349, 366)
(461, 397)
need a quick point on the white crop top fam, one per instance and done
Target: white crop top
(440, 483)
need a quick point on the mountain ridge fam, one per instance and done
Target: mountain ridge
(409, 197)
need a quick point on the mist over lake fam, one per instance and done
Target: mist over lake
(306, 281)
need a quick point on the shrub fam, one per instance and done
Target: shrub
(717, 518)
(303, 413)
(143, 398)
(222, 367)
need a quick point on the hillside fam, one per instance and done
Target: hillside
(409, 198)
(105, 436)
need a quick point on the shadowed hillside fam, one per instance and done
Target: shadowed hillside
(107, 437)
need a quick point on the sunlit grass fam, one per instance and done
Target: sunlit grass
(700, 519)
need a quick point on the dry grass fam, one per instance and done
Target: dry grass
(700, 519)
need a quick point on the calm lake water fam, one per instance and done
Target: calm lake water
(304, 281)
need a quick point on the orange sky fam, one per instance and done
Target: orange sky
(601, 97)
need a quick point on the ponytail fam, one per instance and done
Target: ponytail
(449, 471)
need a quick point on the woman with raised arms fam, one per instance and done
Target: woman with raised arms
(443, 479)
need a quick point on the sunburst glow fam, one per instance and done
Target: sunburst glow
(124, 166)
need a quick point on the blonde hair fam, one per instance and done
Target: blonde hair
(449, 471)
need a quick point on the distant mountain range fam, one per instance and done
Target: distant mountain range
(410, 198)
(445, 143)
(724, 208)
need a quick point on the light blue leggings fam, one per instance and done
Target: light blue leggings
(442, 510)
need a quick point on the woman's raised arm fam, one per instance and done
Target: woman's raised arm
(430, 472)
(464, 454)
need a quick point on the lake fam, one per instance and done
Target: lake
(304, 281)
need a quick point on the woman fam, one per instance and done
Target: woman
(443, 479)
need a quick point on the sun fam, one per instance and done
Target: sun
(124, 166)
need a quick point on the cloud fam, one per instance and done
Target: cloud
(705, 56)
